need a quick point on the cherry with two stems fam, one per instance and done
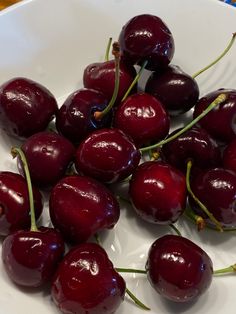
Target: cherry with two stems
(30, 257)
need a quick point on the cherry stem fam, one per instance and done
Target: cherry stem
(137, 301)
(220, 99)
(108, 49)
(131, 270)
(218, 59)
(175, 229)
(198, 220)
(98, 115)
(97, 239)
(17, 151)
(202, 206)
(227, 270)
(137, 77)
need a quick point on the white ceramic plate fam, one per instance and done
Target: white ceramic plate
(51, 42)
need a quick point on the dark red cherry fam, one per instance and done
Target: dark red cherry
(221, 121)
(86, 282)
(216, 189)
(30, 258)
(14, 203)
(48, 155)
(143, 118)
(107, 155)
(26, 107)
(196, 145)
(177, 90)
(158, 192)
(146, 37)
(101, 76)
(178, 269)
(80, 207)
(75, 119)
(229, 156)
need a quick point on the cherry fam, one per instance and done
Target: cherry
(143, 118)
(48, 155)
(229, 156)
(108, 155)
(14, 203)
(177, 90)
(146, 37)
(101, 77)
(158, 192)
(196, 145)
(26, 107)
(221, 121)
(178, 269)
(216, 189)
(80, 206)
(30, 258)
(86, 282)
(75, 119)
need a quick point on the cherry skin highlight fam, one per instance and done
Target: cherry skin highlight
(75, 119)
(229, 156)
(48, 155)
(177, 90)
(178, 269)
(146, 37)
(80, 207)
(221, 121)
(14, 203)
(216, 189)
(26, 107)
(108, 155)
(101, 76)
(86, 282)
(30, 258)
(143, 118)
(158, 192)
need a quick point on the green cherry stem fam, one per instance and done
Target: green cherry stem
(137, 301)
(98, 115)
(108, 49)
(137, 77)
(202, 206)
(17, 151)
(131, 270)
(227, 270)
(198, 220)
(217, 59)
(220, 99)
(175, 229)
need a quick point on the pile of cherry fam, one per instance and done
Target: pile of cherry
(101, 132)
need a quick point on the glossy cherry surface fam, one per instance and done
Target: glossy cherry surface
(143, 118)
(75, 119)
(221, 121)
(14, 203)
(216, 189)
(196, 145)
(107, 155)
(177, 90)
(48, 155)
(30, 258)
(229, 156)
(80, 207)
(146, 37)
(101, 76)
(158, 192)
(178, 269)
(26, 107)
(86, 282)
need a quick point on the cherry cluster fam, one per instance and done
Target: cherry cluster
(100, 135)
